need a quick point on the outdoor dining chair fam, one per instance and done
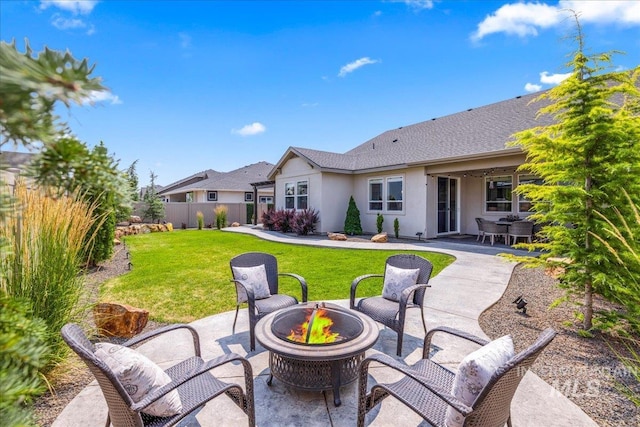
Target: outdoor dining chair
(139, 393)
(479, 394)
(405, 279)
(494, 231)
(520, 229)
(255, 275)
(479, 221)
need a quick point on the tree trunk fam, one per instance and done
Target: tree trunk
(588, 305)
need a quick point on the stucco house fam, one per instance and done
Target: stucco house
(13, 164)
(435, 177)
(205, 191)
(221, 187)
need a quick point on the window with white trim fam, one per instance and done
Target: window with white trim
(524, 204)
(212, 196)
(386, 194)
(296, 195)
(498, 193)
(266, 199)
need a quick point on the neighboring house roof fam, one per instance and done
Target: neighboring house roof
(236, 180)
(15, 161)
(477, 132)
(196, 177)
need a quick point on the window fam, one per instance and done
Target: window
(296, 195)
(265, 199)
(386, 194)
(394, 194)
(524, 205)
(248, 197)
(375, 194)
(189, 197)
(212, 196)
(498, 193)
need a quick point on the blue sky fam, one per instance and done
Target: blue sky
(198, 85)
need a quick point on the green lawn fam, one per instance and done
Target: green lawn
(184, 275)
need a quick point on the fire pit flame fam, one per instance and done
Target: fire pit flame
(316, 329)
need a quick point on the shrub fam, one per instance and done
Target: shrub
(268, 219)
(283, 220)
(221, 216)
(200, 217)
(379, 221)
(352, 223)
(396, 227)
(304, 221)
(22, 354)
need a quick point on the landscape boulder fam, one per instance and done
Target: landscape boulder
(119, 320)
(337, 236)
(235, 224)
(380, 238)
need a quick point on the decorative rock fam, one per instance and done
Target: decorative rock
(135, 219)
(117, 241)
(380, 238)
(337, 236)
(119, 320)
(235, 224)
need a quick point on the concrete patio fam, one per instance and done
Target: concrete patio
(485, 276)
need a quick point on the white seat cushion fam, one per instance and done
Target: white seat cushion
(140, 376)
(398, 279)
(256, 277)
(475, 371)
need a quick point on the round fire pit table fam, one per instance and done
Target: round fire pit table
(317, 367)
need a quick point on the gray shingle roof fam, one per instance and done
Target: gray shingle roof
(196, 177)
(236, 180)
(477, 132)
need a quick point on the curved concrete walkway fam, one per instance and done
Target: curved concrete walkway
(457, 297)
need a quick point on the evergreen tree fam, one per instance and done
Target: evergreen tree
(352, 222)
(586, 157)
(132, 176)
(155, 207)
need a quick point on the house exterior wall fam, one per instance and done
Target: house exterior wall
(335, 193)
(411, 219)
(186, 213)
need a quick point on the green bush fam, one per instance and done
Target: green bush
(352, 223)
(22, 354)
(379, 221)
(396, 227)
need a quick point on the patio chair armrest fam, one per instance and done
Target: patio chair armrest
(156, 332)
(450, 331)
(303, 283)
(354, 286)
(408, 291)
(248, 289)
(203, 368)
(407, 370)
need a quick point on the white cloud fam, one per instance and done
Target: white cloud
(351, 67)
(530, 87)
(83, 7)
(254, 128)
(103, 96)
(62, 23)
(525, 19)
(553, 79)
(416, 4)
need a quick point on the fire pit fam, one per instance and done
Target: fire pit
(316, 346)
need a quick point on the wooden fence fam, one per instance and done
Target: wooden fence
(179, 213)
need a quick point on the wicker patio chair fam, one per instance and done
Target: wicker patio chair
(520, 229)
(479, 221)
(258, 308)
(493, 230)
(389, 312)
(426, 387)
(191, 378)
